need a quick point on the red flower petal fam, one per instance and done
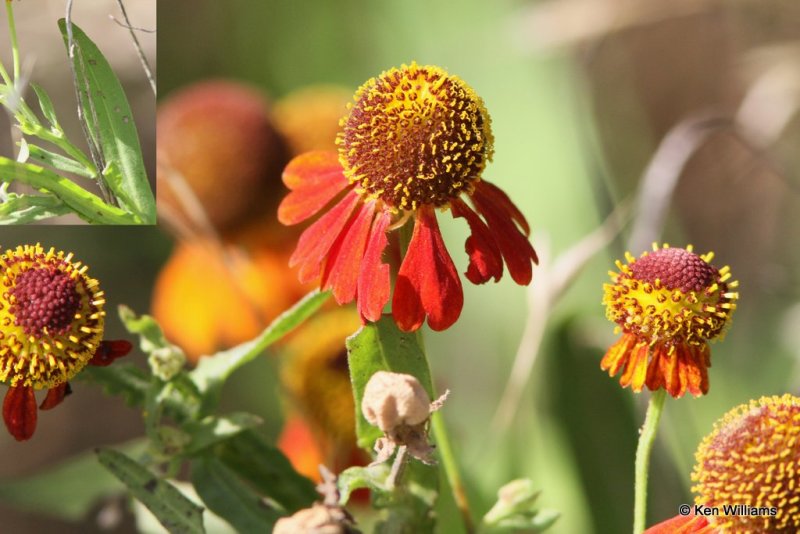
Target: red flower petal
(427, 283)
(55, 396)
(346, 254)
(373, 279)
(500, 198)
(682, 524)
(19, 412)
(108, 351)
(315, 178)
(517, 250)
(316, 240)
(485, 259)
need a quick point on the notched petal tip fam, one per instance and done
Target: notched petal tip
(315, 178)
(485, 258)
(428, 283)
(19, 412)
(108, 351)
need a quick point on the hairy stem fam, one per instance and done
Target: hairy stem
(646, 440)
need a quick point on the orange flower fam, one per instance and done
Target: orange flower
(668, 304)
(414, 140)
(316, 378)
(206, 303)
(309, 118)
(683, 524)
(51, 327)
(752, 459)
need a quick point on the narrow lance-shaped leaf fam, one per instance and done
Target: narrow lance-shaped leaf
(110, 121)
(231, 499)
(86, 205)
(213, 371)
(172, 509)
(26, 209)
(57, 161)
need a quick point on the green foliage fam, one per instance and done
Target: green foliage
(408, 505)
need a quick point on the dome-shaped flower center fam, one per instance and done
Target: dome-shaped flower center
(752, 458)
(677, 268)
(51, 317)
(415, 136)
(44, 298)
(671, 294)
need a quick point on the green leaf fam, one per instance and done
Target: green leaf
(382, 346)
(110, 121)
(85, 204)
(121, 379)
(46, 106)
(116, 182)
(25, 209)
(174, 511)
(212, 372)
(231, 499)
(151, 337)
(267, 469)
(212, 430)
(372, 477)
(58, 162)
(67, 491)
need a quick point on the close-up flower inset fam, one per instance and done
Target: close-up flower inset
(51, 326)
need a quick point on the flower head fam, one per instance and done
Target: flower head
(668, 304)
(415, 139)
(51, 326)
(752, 459)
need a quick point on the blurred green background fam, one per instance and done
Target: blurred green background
(581, 96)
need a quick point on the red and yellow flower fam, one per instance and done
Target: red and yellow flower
(415, 140)
(668, 304)
(51, 326)
(750, 463)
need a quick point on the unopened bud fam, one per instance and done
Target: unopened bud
(166, 362)
(319, 519)
(394, 399)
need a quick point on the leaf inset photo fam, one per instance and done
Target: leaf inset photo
(78, 90)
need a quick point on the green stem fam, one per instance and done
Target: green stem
(646, 440)
(14, 44)
(450, 467)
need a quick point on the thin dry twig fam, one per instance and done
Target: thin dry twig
(553, 280)
(138, 47)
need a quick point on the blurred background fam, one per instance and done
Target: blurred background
(44, 61)
(685, 111)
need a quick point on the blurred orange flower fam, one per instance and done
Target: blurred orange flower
(309, 117)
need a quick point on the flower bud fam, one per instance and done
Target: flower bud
(394, 399)
(319, 519)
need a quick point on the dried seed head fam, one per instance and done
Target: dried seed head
(392, 400)
(319, 519)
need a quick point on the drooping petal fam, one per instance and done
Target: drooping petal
(108, 351)
(19, 412)
(315, 178)
(373, 278)
(485, 259)
(635, 372)
(317, 239)
(55, 396)
(517, 250)
(500, 198)
(617, 355)
(346, 254)
(428, 282)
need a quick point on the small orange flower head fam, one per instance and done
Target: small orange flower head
(51, 327)
(752, 458)
(668, 304)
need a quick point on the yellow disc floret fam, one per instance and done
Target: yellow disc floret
(752, 459)
(671, 295)
(415, 136)
(51, 317)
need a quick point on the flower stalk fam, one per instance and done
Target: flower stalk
(643, 450)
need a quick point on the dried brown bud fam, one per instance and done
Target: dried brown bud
(319, 519)
(394, 399)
